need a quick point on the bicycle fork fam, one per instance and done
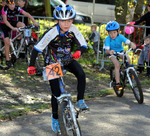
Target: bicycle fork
(128, 75)
(72, 109)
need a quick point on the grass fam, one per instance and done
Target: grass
(21, 110)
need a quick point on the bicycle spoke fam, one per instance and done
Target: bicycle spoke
(119, 93)
(67, 125)
(136, 86)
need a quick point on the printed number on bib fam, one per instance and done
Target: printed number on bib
(54, 71)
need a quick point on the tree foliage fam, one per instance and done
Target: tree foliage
(133, 9)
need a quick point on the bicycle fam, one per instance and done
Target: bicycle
(127, 71)
(67, 113)
(24, 45)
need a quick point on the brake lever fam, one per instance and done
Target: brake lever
(37, 28)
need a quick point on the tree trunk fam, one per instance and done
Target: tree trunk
(138, 9)
(47, 8)
(121, 11)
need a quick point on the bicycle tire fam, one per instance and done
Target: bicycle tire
(13, 59)
(65, 121)
(137, 89)
(3, 65)
(112, 77)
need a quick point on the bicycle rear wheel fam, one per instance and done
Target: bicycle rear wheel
(3, 65)
(67, 125)
(119, 93)
(136, 86)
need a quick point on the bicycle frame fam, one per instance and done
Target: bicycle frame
(16, 52)
(127, 67)
(127, 73)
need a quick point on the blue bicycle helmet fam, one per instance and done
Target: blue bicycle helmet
(64, 12)
(112, 25)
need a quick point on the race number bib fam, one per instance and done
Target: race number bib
(27, 33)
(54, 71)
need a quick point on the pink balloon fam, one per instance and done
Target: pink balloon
(129, 29)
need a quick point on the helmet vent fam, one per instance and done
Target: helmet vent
(64, 12)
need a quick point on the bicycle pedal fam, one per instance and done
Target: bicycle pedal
(120, 88)
(84, 110)
(58, 133)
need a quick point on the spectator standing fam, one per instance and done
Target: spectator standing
(95, 38)
(145, 56)
(146, 18)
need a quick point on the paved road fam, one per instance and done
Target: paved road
(108, 116)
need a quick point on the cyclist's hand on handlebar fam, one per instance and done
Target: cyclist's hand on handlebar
(76, 55)
(36, 24)
(133, 46)
(111, 52)
(15, 29)
(31, 70)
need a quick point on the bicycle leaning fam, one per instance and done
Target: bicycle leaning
(67, 113)
(23, 45)
(127, 71)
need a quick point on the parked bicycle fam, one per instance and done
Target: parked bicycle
(24, 46)
(67, 113)
(127, 71)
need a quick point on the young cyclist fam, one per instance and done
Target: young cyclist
(60, 40)
(113, 43)
(7, 23)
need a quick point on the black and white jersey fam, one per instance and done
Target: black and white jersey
(60, 45)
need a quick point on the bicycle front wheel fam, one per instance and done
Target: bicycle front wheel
(119, 93)
(67, 124)
(136, 86)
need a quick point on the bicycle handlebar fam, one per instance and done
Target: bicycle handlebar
(65, 61)
(29, 27)
(62, 63)
(137, 50)
(122, 53)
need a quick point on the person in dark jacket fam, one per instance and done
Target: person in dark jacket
(146, 18)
